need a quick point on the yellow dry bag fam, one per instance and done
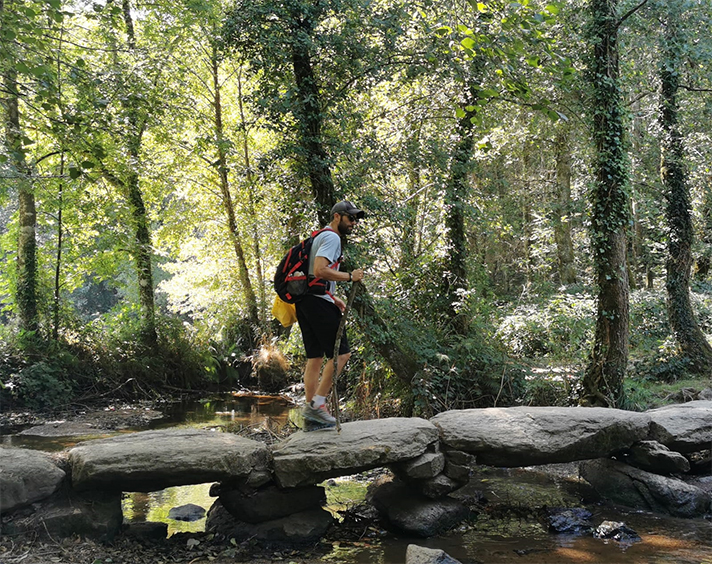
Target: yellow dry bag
(285, 313)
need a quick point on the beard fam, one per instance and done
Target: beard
(345, 228)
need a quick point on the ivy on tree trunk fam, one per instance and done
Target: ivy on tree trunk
(687, 332)
(602, 383)
(308, 113)
(26, 284)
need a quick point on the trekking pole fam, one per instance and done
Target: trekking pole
(337, 346)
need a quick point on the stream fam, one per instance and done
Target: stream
(506, 534)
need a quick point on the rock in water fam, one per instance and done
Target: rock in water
(189, 512)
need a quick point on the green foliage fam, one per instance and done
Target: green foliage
(43, 385)
(557, 327)
(119, 353)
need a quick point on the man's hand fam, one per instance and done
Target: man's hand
(341, 304)
(357, 275)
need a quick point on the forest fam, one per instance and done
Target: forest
(536, 178)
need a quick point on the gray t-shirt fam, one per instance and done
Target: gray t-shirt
(328, 245)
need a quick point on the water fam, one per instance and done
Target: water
(508, 535)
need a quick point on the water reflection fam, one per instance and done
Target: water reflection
(154, 506)
(245, 410)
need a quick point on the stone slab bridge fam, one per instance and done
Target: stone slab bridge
(270, 493)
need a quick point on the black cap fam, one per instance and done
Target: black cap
(347, 207)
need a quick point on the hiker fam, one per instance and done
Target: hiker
(319, 315)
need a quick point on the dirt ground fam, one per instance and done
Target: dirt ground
(192, 549)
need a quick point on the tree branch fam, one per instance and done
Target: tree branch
(630, 12)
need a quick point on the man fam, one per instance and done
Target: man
(319, 316)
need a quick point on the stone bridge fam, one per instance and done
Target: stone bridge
(270, 492)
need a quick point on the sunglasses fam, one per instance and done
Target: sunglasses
(352, 218)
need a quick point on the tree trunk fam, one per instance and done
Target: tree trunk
(243, 271)
(26, 289)
(457, 192)
(692, 341)
(60, 242)
(602, 383)
(142, 236)
(251, 188)
(400, 358)
(562, 211)
(309, 117)
(704, 261)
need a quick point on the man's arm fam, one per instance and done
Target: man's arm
(322, 270)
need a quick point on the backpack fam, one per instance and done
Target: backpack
(291, 280)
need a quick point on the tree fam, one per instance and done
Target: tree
(687, 332)
(23, 45)
(602, 383)
(563, 206)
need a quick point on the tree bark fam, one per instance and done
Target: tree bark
(26, 285)
(457, 192)
(602, 383)
(687, 332)
(400, 358)
(562, 211)
(142, 236)
(251, 188)
(309, 117)
(243, 271)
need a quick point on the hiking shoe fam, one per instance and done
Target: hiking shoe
(318, 415)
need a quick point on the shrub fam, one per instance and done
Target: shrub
(42, 385)
(559, 327)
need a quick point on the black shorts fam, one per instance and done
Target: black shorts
(319, 321)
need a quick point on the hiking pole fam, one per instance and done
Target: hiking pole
(337, 346)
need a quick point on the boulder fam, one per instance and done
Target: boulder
(524, 436)
(413, 514)
(146, 531)
(305, 527)
(437, 487)
(617, 531)
(684, 427)
(415, 554)
(26, 476)
(565, 520)
(189, 512)
(427, 465)
(154, 460)
(639, 489)
(269, 503)
(309, 458)
(654, 457)
(95, 515)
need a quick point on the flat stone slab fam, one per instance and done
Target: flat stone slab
(524, 436)
(683, 427)
(154, 460)
(310, 458)
(26, 476)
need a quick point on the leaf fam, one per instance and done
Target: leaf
(534, 61)
(74, 172)
(460, 113)
(468, 43)
(552, 9)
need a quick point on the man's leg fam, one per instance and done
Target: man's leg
(328, 373)
(311, 377)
